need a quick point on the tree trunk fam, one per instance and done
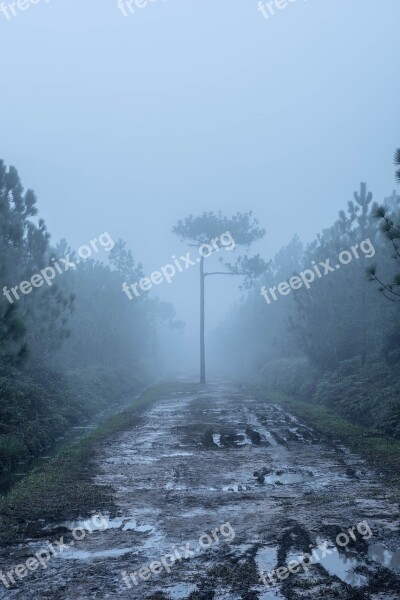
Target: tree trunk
(363, 316)
(363, 295)
(202, 321)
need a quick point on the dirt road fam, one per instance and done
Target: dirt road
(234, 487)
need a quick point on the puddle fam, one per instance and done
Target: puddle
(180, 590)
(266, 558)
(266, 561)
(92, 524)
(174, 454)
(244, 439)
(86, 555)
(344, 566)
(236, 487)
(133, 526)
(385, 557)
(217, 439)
(288, 478)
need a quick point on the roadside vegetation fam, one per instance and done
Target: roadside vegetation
(37, 410)
(64, 487)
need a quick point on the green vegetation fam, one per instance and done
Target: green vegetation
(368, 395)
(37, 409)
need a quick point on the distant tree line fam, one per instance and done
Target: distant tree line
(351, 314)
(83, 319)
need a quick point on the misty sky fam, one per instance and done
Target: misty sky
(127, 124)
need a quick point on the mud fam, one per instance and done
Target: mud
(222, 456)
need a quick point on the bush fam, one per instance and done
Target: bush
(294, 376)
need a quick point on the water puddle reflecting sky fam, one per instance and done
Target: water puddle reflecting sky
(385, 557)
(288, 478)
(180, 590)
(344, 565)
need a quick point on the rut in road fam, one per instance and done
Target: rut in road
(222, 456)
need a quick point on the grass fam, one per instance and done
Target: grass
(64, 487)
(379, 450)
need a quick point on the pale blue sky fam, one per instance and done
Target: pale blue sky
(127, 124)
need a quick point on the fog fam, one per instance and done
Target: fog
(199, 299)
(127, 124)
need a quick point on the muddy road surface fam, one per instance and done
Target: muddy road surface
(215, 489)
